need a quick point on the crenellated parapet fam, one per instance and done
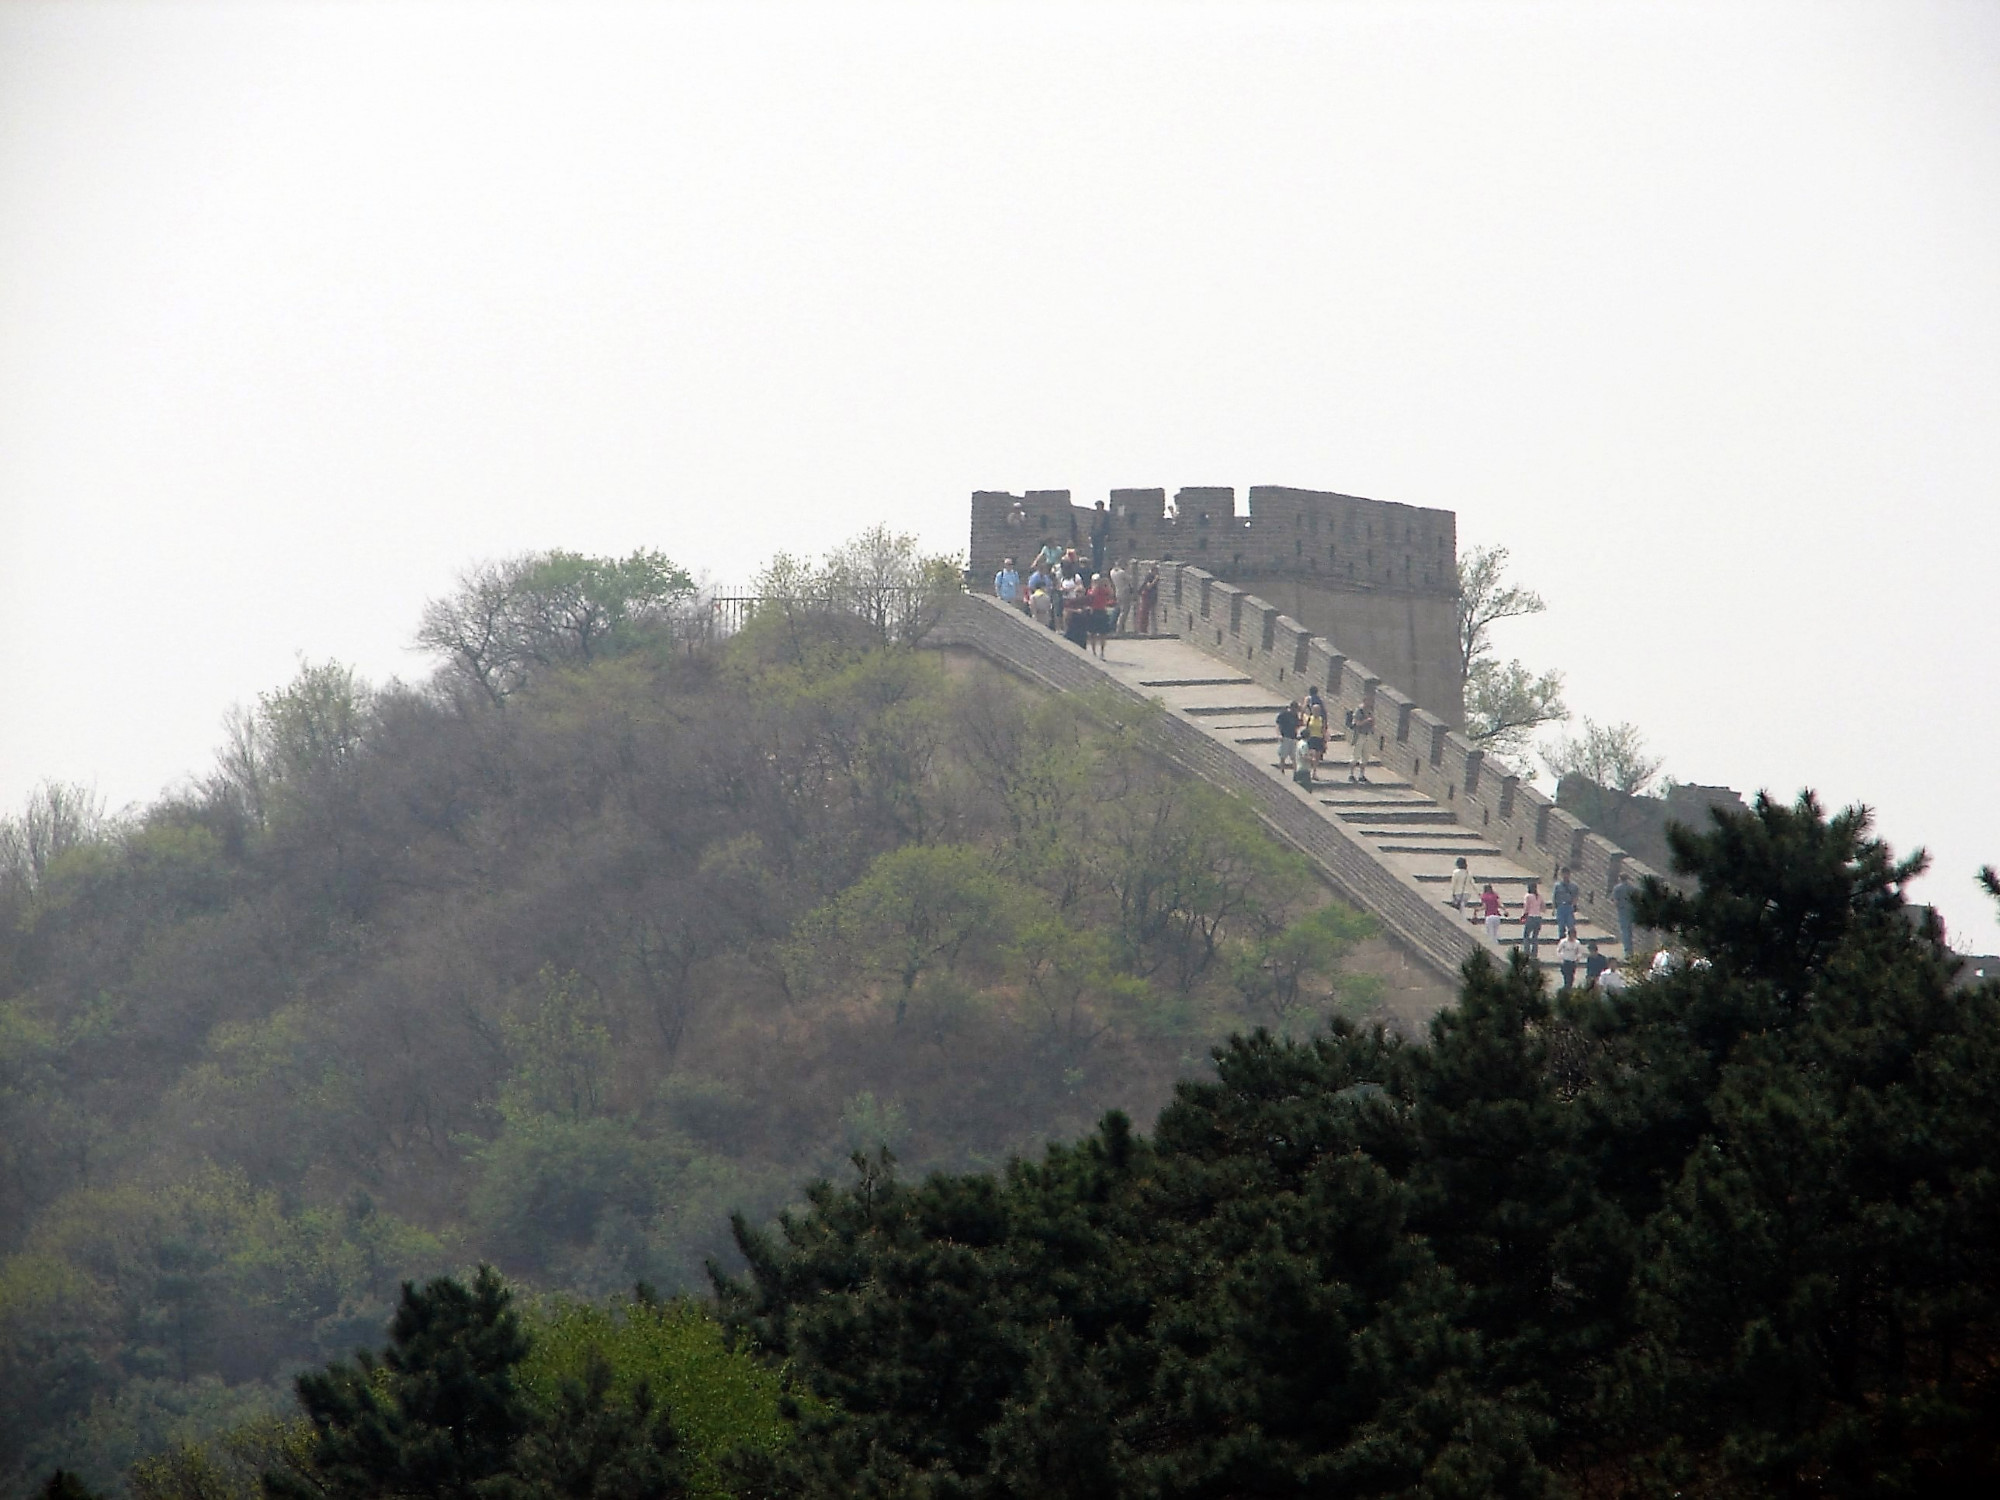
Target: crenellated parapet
(1381, 578)
(1250, 633)
(1342, 541)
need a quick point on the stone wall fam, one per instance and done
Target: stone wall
(1379, 576)
(1425, 930)
(1254, 635)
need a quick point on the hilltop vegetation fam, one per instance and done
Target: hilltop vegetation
(560, 958)
(794, 958)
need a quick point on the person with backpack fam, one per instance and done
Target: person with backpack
(1288, 735)
(1360, 730)
(1315, 736)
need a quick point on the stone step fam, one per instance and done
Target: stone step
(1463, 845)
(1188, 682)
(1322, 781)
(1477, 878)
(1453, 849)
(1217, 710)
(1416, 815)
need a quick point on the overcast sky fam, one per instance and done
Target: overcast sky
(1696, 308)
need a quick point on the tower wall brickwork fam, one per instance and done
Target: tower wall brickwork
(1377, 578)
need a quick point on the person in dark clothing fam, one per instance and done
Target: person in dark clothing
(1076, 625)
(1149, 601)
(1100, 537)
(1594, 965)
(1288, 735)
(1623, 895)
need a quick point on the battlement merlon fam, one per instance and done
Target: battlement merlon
(1316, 536)
(1378, 579)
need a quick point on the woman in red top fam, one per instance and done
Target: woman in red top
(1099, 601)
(1489, 903)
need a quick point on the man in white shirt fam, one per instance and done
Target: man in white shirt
(1569, 953)
(1121, 586)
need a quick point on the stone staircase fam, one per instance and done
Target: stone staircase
(1385, 842)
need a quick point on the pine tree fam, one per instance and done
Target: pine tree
(439, 1415)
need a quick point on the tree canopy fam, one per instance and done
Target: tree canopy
(1731, 1232)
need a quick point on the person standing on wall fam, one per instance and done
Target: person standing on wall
(1564, 894)
(1097, 605)
(1531, 921)
(1149, 601)
(1461, 885)
(1100, 537)
(1288, 735)
(1121, 596)
(1490, 907)
(1007, 583)
(1315, 737)
(1360, 730)
(1569, 953)
(1593, 965)
(1623, 895)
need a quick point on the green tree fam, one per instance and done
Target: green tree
(1275, 972)
(918, 911)
(1505, 702)
(510, 620)
(439, 1415)
(1189, 866)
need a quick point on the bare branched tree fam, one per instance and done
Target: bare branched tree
(1611, 755)
(58, 817)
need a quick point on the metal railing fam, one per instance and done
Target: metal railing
(897, 613)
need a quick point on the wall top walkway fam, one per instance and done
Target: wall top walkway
(1387, 845)
(1237, 627)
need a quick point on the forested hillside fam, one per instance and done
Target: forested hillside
(556, 960)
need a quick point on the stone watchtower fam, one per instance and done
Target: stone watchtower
(1378, 580)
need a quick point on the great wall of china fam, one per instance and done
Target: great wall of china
(1228, 658)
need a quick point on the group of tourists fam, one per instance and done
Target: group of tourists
(1303, 735)
(1077, 599)
(1600, 971)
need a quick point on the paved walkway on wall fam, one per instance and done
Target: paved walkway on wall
(1385, 844)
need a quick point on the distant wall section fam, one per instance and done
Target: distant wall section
(1378, 578)
(1252, 634)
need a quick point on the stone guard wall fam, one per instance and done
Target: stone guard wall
(1236, 626)
(1379, 576)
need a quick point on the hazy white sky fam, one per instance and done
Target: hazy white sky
(303, 307)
